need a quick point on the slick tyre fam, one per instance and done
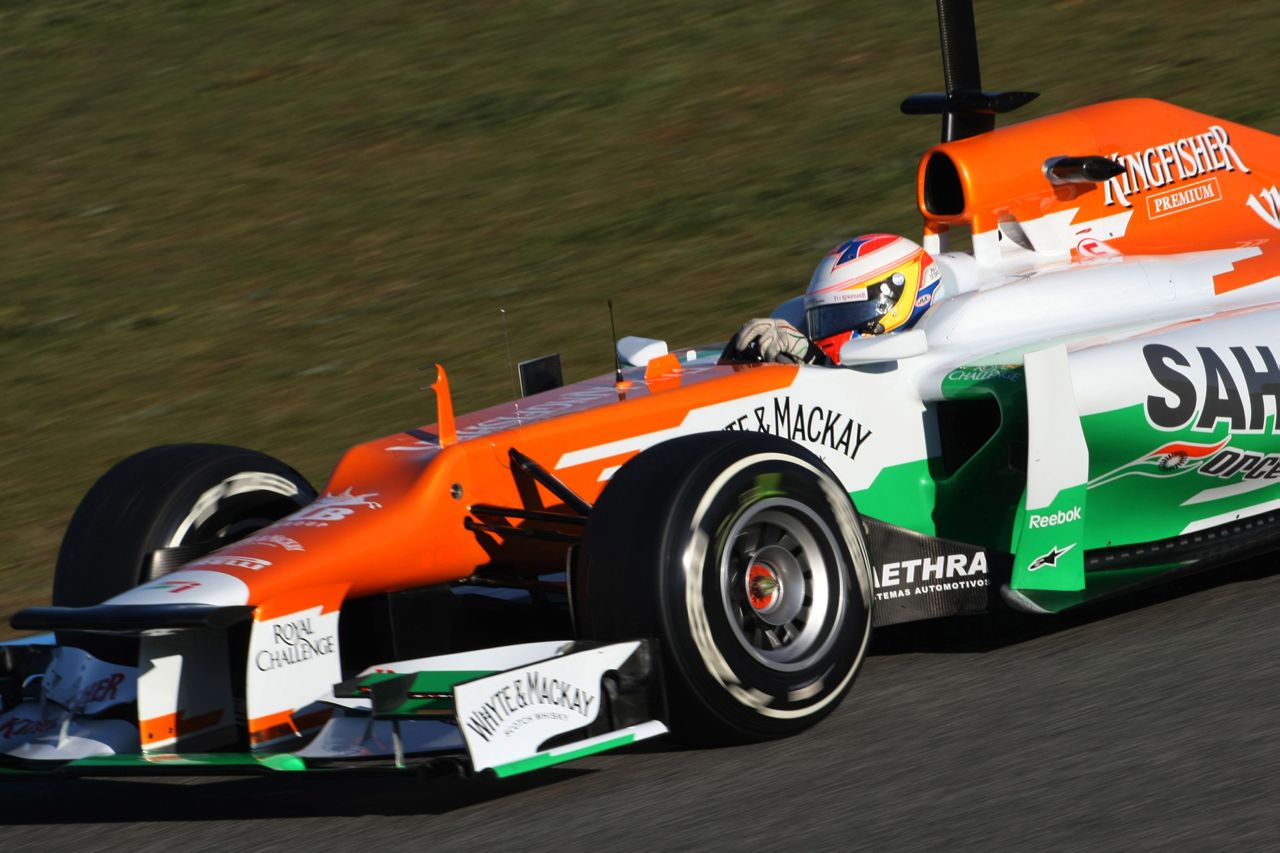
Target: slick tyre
(743, 555)
(161, 508)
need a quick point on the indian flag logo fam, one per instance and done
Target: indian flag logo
(1170, 460)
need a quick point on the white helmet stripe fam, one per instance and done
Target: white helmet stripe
(867, 274)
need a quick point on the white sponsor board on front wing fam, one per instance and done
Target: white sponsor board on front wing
(509, 716)
(293, 660)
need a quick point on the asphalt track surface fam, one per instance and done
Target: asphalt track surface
(1148, 723)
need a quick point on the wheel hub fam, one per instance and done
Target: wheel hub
(781, 583)
(775, 585)
(764, 590)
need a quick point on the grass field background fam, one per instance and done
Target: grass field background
(253, 223)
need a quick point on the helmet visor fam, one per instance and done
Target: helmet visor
(862, 316)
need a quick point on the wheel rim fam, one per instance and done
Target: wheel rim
(238, 506)
(782, 583)
(206, 521)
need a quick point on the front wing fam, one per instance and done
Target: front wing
(501, 711)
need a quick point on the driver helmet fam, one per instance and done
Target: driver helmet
(869, 285)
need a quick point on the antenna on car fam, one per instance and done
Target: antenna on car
(511, 367)
(618, 382)
(966, 110)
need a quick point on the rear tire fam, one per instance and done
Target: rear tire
(743, 555)
(158, 509)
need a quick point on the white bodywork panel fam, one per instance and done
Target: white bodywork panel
(1057, 457)
(194, 711)
(76, 737)
(190, 586)
(507, 717)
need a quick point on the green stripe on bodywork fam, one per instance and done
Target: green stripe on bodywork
(210, 760)
(1139, 495)
(901, 495)
(432, 681)
(1051, 556)
(546, 759)
(392, 697)
(978, 502)
(390, 691)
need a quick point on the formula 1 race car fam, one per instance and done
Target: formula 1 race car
(1088, 404)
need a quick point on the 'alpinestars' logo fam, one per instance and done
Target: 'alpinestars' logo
(1050, 559)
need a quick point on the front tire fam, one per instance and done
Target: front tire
(159, 509)
(744, 556)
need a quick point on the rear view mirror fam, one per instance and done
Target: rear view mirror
(637, 351)
(876, 348)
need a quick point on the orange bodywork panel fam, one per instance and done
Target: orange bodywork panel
(1190, 181)
(394, 514)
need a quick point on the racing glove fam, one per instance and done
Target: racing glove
(772, 340)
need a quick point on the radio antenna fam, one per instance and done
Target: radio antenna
(511, 367)
(618, 382)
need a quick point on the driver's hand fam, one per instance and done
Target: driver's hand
(771, 340)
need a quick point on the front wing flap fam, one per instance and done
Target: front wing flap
(505, 711)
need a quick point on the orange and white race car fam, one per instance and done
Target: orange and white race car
(1088, 404)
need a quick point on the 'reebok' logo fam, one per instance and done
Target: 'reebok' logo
(1168, 460)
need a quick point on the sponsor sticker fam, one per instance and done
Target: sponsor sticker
(944, 573)
(1167, 460)
(1217, 460)
(173, 586)
(512, 715)
(292, 641)
(1177, 200)
(233, 560)
(1092, 247)
(527, 697)
(1171, 163)
(1268, 207)
(984, 373)
(812, 424)
(1053, 519)
(78, 681)
(1050, 559)
(1199, 387)
(330, 509)
(293, 659)
(22, 724)
(274, 540)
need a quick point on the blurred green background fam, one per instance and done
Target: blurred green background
(253, 222)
